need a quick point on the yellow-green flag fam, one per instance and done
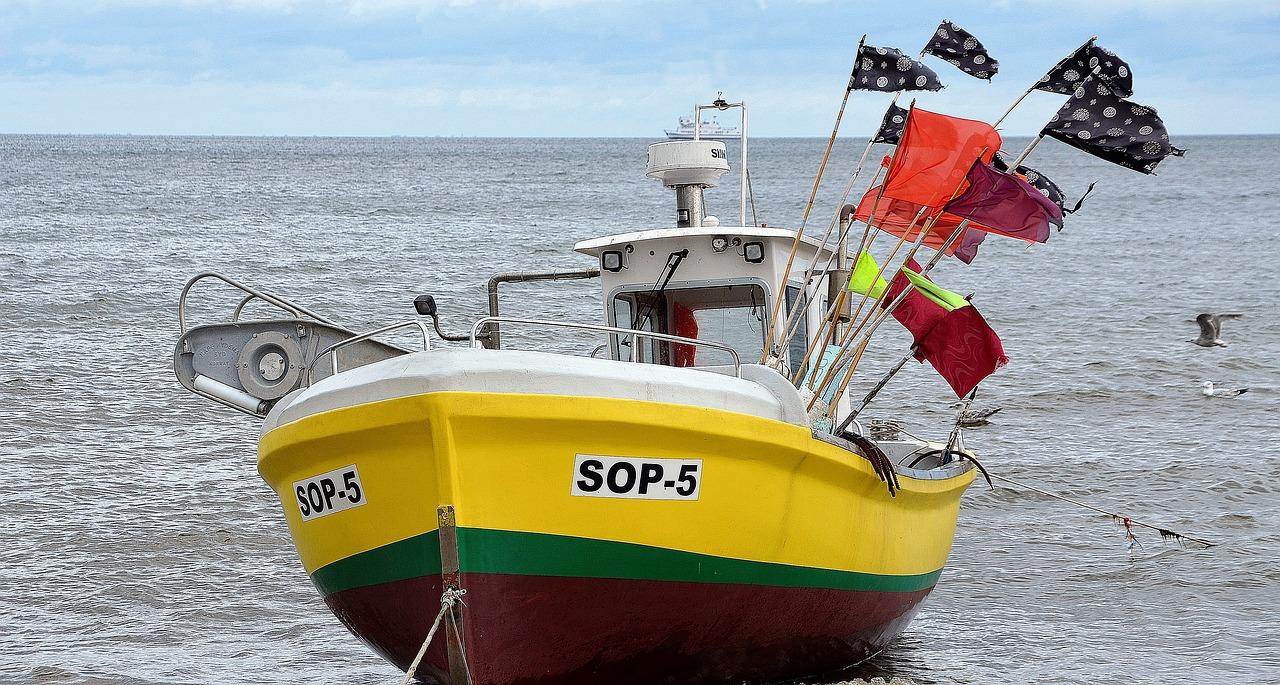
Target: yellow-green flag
(865, 278)
(944, 298)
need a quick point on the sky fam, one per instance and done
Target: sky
(592, 67)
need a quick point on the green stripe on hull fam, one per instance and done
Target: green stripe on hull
(539, 554)
(409, 558)
(534, 554)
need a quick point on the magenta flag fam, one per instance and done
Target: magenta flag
(1005, 204)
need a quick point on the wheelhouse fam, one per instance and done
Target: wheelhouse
(711, 283)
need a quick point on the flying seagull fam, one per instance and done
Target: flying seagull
(1210, 326)
(1208, 391)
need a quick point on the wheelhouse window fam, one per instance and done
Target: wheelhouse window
(799, 342)
(732, 314)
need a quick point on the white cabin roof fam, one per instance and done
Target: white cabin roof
(595, 246)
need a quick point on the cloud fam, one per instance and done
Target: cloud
(584, 67)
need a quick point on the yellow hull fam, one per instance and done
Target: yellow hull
(792, 560)
(770, 491)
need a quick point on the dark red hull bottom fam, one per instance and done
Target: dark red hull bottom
(527, 630)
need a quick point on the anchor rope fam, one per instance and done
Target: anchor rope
(448, 599)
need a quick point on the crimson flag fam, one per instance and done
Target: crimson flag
(1006, 204)
(917, 313)
(962, 348)
(935, 154)
(896, 216)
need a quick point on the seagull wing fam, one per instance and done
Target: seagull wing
(1208, 326)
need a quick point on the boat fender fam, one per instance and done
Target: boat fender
(229, 394)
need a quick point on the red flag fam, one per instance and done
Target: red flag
(895, 216)
(916, 312)
(962, 348)
(935, 154)
(1006, 204)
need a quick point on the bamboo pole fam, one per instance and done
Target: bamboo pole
(1026, 152)
(813, 194)
(1017, 102)
(888, 311)
(792, 323)
(853, 332)
(1035, 85)
(871, 217)
(866, 297)
(941, 251)
(793, 317)
(832, 306)
(880, 385)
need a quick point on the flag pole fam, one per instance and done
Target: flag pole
(833, 306)
(853, 331)
(874, 207)
(813, 194)
(924, 232)
(1017, 102)
(1026, 152)
(1039, 137)
(878, 387)
(824, 333)
(793, 323)
(1028, 91)
(866, 296)
(794, 317)
(866, 337)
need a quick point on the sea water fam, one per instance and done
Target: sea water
(140, 545)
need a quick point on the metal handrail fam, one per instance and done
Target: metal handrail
(737, 362)
(235, 314)
(332, 349)
(284, 304)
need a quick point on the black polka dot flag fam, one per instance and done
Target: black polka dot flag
(1090, 59)
(958, 47)
(891, 127)
(1097, 120)
(1039, 181)
(888, 70)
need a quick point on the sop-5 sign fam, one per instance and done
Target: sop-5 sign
(329, 493)
(636, 478)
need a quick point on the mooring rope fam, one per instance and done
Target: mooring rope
(1128, 521)
(448, 599)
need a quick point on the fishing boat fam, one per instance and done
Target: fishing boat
(655, 507)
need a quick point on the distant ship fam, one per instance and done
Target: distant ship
(710, 130)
